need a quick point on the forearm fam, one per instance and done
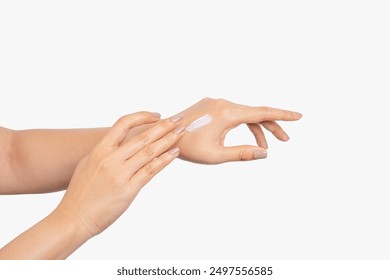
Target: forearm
(103, 186)
(44, 160)
(55, 237)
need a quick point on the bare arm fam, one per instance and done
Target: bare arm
(36, 161)
(44, 160)
(103, 186)
(55, 237)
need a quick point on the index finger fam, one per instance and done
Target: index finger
(259, 114)
(121, 128)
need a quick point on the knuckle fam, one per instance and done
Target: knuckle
(171, 137)
(243, 154)
(143, 138)
(221, 100)
(223, 105)
(214, 100)
(272, 128)
(228, 113)
(165, 124)
(122, 120)
(265, 111)
(147, 151)
(104, 164)
(149, 169)
(207, 99)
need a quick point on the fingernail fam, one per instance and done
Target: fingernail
(179, 129)
(260, 154)
(157, 115)
(174, 151)
(176, 118)
(299, 115)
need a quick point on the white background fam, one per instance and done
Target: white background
(323, 195)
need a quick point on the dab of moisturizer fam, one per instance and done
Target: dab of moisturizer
(202, 121)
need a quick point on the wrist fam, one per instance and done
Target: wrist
(71, 225)
(55, 237)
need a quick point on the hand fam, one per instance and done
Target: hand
(206, 144)
(107, 180)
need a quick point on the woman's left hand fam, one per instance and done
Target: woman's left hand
(206, 144)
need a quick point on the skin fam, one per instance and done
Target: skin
(103, 169)
(103, 186)
(206, 145)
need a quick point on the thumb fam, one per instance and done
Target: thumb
(242, 153)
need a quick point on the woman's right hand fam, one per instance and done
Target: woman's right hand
(107, 180)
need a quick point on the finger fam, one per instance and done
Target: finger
(261, 141)
(152, 151)
(276, 130)
(121, 128)
(259, 114)
(136, 144)
(241, 153)
(145, 174)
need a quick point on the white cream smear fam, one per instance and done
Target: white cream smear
(202, 121)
